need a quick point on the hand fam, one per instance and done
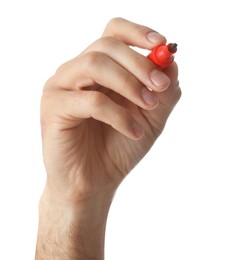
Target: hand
(102, 111)
(100, 114)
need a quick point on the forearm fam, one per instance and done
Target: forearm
(71, 231)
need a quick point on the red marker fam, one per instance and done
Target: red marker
(162, 55)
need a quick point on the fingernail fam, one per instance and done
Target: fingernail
(149, 97)
(138, 130)
(159, 79)
(155, 37)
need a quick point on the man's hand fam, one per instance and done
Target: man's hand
(100, 114)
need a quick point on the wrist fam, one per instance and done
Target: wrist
(77, 227)
(88, 207)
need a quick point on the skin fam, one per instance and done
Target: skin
(100, 114)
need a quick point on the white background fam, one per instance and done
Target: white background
(172, 205)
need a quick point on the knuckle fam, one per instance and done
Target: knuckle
(61, 68)
(114, 22)
(108, 43)
(93, 59)
(48, 84)
(97, 100)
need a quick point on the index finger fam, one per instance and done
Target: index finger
(133, 34)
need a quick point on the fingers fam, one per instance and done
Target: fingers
(111, 64)
(169, 98)
(133, 34)
(72, 107)
(95, 67)
(138, 65)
